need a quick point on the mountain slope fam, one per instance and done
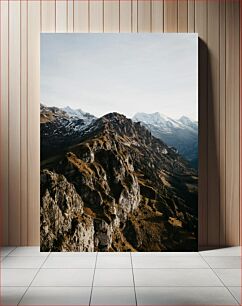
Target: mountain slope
(59, 128)
(136, 193)
(181, 134)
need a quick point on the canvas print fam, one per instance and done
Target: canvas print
(119, 142)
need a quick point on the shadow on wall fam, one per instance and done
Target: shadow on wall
(210, 226)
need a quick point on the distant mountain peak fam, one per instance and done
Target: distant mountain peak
(75, 112)
(156, 119)
(185, 119)
(188, 122)
(181, 134)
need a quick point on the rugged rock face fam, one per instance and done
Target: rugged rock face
(117, 189)
(64, 225)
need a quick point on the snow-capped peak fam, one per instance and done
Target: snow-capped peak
(78, 113)
(188, 122)
(157, 119)
(164, 122)
(73, 112)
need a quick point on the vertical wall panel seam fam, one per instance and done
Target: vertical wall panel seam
(27, 97)
(187, 17)
(225, 221)
(194, 17)
(8, 130)
(73, 14)
(119, 16)
(137, 14)
(20, 130)
(219, 88)
(55, 15)
(20, 204)
(67, 16)
(2, 203)
(137, 17)
(103, 15)
(28, 226)
(88, 19)
(131, 3)
(177, 15)
(1, 155)
(151, 30)
(27, 115)
(131, 21)
(40, 15)
(207, 106)
(239, 117)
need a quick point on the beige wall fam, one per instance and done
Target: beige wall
(217, 23)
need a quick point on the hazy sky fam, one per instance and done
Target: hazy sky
(126, 73)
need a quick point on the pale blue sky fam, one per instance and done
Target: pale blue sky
(126, 73)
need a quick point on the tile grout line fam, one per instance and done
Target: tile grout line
(14, 248)
(239, 302)
(33, 279)
(75, 268)
(3, 258)
(220, 280)
(90, 299)
(135, 295)
(143, 286)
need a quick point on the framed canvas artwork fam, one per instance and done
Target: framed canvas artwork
(119, 142)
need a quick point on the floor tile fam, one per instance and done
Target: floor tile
(230, 277)
(113, 296)
(184, 296)
(23, 262)
(176, 277)
(17, 277)
(114, 262)
(4, 251)
(113, 277)
(11, 295)
(180, 254)
(64, 277)
(73, 254)
(169, 262)
(231, 251)
(236, 292)
(28, 251)
(218, 262)
(70, 262)
(57, 296)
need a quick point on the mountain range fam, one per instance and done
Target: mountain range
(181, 134)
(107, 184)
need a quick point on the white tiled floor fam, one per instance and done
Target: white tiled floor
(29, 277)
